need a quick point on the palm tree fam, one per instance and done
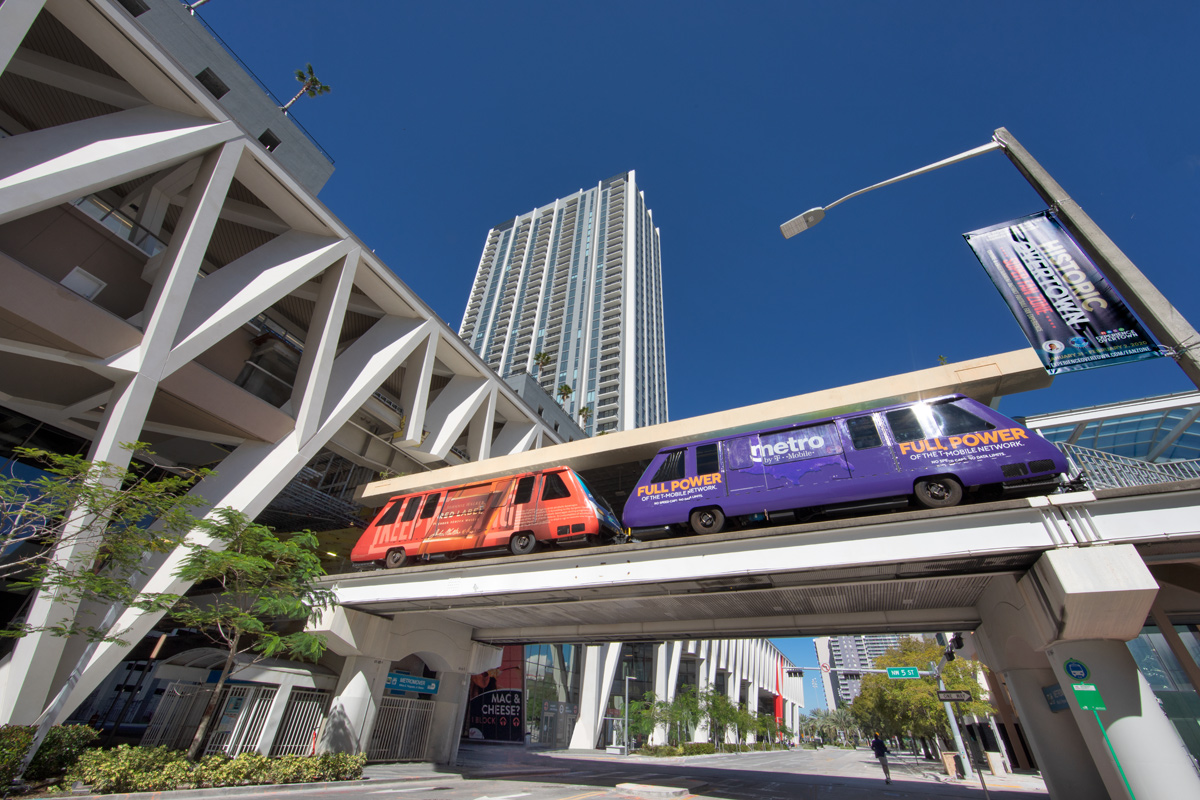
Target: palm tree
(585, 414)
(312, 86)
(542, 360)
(564, 391)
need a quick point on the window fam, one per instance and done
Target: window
(269, 140)
(554, 488)
(707, 460)
(524, 491)
(671, 469)
(430, 505)
(954, 421)
(905, 425)
(410, 513)
(216, 87)
(863, 433)
(134, 7)
(393, 511)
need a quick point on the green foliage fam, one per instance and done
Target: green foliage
(14, 743)
(82, 531)
(911, 707)
(659, 750)
(60, 750)
(698, 748)
(259, 580)
(139, 769)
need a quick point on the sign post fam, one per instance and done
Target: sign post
(1089, 699)
(956, 696)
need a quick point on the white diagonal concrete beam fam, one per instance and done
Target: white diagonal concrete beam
(320, 346)
(479, 435)
(451, 411)
(99, 366)
(514, 437)
(414, 394)
(226, 299)
(75, 79)
(46, 167)
(359, 370)
(15, 21)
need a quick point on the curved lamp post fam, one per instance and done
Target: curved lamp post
(1161, 318)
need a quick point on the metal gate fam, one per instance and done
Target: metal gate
(306, 711)
(401, 730)
(236, 725)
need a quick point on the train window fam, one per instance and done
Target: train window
(905, 425)
(554, 488)
(706, 459)
(430, 505)
(955, 421)
(393, 511)
(524, 490)
(863, 433)
(672, 468)
(410, 513)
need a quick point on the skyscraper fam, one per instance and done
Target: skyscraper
(579, 279)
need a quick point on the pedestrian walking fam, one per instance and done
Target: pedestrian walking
(881, 752)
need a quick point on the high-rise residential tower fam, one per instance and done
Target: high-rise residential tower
(579, 280)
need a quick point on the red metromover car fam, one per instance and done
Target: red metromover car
(516, 511)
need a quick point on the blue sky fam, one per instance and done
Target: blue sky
(447, 118)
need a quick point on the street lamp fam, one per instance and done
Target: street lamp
(1160, 317)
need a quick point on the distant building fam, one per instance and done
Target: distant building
(850, 653)
(581, 280)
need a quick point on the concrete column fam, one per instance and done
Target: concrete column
(999, 696)
(1147, 759)
(270, 728)
(351, 718)
(449, 709)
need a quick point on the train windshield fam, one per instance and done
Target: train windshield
(587, 490)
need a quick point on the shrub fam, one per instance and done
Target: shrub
(61, 748)
(659, 750)
(698, 749)
(14, 743)
(127, 768)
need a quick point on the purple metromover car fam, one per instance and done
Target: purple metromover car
(932, 452)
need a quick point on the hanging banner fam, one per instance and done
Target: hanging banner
(1070, 313)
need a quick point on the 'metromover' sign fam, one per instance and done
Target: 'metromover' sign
(1068, 310)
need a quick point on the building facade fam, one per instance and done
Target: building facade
(850, 653)
(579, 279)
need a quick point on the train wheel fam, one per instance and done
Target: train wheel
(452, 555)
(522, 543)
(395, 559)
(707, 520)
(940, 492)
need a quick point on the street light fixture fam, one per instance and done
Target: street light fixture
(1161, 318)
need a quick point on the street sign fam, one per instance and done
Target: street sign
(1088, 697)
(398, 682)
(954, 695)
(1076, 669)
(896, 673)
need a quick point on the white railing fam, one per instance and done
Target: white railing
(401, 730)
(1104, 470)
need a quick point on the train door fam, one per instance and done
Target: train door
(524, 506)
(808, 460)
(560, 508)
(869, 457)
(743, 468)
(425, 522)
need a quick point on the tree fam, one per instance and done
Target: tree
(312, 86)
(542, 360)
(258, 582)
(585, 414)
(564, 391)
(898, 707)
(717, 713)
(80, 531)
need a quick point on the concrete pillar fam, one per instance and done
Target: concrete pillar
(351, 718)
(1147, 757)
(449, 710)
(270, 728)
(1083, 604)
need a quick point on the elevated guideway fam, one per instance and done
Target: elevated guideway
(611, 464)
(898, 572)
